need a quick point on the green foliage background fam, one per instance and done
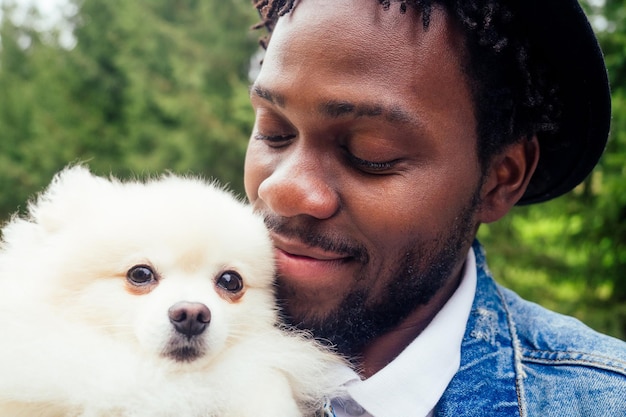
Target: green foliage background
(149, 85)
(153, 85)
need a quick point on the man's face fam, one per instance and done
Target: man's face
(363, 161)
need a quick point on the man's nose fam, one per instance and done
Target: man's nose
(299, 186)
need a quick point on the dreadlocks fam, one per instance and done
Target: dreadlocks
(514, 94)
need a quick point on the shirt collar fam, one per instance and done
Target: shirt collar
(413, 382)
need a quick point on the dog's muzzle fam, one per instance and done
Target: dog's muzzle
(190, 320)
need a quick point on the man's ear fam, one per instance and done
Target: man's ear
(507, 177)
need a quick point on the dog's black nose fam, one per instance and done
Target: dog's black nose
(189, 318)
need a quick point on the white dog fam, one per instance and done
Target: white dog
(147, 299)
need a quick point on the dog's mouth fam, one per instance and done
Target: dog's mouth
(184, 352)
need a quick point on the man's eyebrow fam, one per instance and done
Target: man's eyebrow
(340, 108)
(337, 109)
(268, 95)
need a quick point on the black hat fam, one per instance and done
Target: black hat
(560, 29)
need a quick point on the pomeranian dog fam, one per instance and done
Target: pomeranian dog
(147, 298)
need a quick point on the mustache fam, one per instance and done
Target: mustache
(309, 233)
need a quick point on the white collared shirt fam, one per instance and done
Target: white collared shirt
(412, 384)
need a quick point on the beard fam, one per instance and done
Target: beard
(422, 271)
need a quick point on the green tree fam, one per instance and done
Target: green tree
(31, 95)
(150, 85)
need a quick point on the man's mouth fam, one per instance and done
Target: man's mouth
(302, 262)
(297, 249)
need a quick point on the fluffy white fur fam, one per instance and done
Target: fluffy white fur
(79, 339)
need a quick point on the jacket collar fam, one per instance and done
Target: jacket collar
(486, 383)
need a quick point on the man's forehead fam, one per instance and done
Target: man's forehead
(344, 18)
(364, 74)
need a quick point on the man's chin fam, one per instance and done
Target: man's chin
(357, 320)
(348, 328)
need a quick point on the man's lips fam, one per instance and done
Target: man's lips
(297, 261)
(297, 249)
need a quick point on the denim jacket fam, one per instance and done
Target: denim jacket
(519, 359)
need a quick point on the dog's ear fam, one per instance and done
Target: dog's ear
(68, 193)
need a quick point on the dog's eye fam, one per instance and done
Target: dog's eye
(230, 281)
(141, 275)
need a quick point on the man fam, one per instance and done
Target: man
(386, 133)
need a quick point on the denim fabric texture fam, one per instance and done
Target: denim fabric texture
(519, 359)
